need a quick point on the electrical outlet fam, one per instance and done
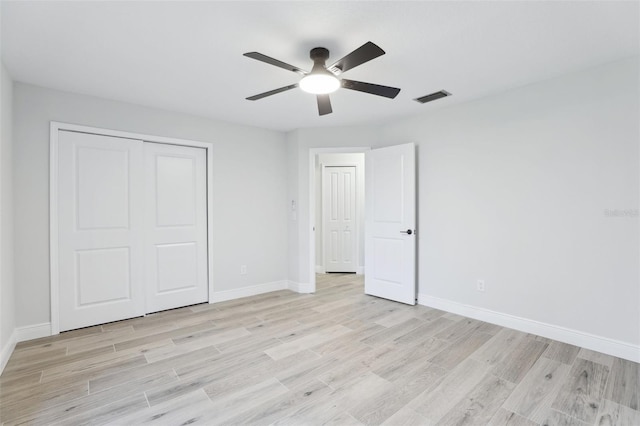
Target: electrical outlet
(480, 285)
(243, 269)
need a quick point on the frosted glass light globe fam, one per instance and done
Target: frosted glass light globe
(320, 84)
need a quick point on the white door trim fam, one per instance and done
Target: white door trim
(55, 127)
(311, 261)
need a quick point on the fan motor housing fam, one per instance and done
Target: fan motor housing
(319, 53)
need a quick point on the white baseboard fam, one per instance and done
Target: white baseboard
(22, 334)
(31, 332)
(360, 270)
(550, 331)
(7, 350)
(301, 287)
(222, 296)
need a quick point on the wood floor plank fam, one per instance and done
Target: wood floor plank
(140, 341)
(186, 345)
(412, 359)
(430, 314)
(481, 403)
(406, 417)
(611, 414)
(43, 364)
(623, 386)
(256, 373)
(350, 369)
(598, 357)
(234, 403)
(562, 352)
(129, 394)
(392, 332)
(105, 413)
(15, 405)
(459, 329)
(508, 418)
(207, 360)
(497, 347)
(366, 386)
(377, 409)
(348, 340)
(556, 418)
(425, 331)
(16, 382)
(581, 395)
(459, 350)
(396, 318)
(306, 342)
(93, 367)
(20, 360)
(107, 338)
(532, 398)
(518, 361)
(283, 405)
(186, 409)
(342, 419)
(60, 338)
(433, 405)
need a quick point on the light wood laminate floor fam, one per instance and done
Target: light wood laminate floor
(337, 357)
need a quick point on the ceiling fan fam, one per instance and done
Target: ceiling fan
(323, 80)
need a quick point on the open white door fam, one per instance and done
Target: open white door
(100, 227)
(390, 227)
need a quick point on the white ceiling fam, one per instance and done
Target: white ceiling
(187, 56)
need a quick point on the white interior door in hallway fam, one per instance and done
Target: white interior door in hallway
(131, 228)
(339, 218)
(390, 224)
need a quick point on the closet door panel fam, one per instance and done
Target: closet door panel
(175, 226)
(100, 216)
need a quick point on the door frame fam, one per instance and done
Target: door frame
(312, 203)
(55, 128)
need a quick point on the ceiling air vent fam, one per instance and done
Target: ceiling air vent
(433, 97)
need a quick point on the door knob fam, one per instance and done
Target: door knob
(408, 231)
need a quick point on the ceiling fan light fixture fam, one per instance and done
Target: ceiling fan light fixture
(323, 80)
(320, 83)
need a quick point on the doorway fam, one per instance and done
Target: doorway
(391, 232)
(348, 247)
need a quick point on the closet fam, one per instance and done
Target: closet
(131, 227)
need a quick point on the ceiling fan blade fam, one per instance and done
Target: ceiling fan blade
(269, 60)
(324, 104)
(374, 89)
(362, 54)
(271, 92)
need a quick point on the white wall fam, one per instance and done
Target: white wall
(7, 286)
(340, 159)
(249, 189)
(514, 189)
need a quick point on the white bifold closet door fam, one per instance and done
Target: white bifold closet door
(131, 228)
(175, 226)
(100, 229)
